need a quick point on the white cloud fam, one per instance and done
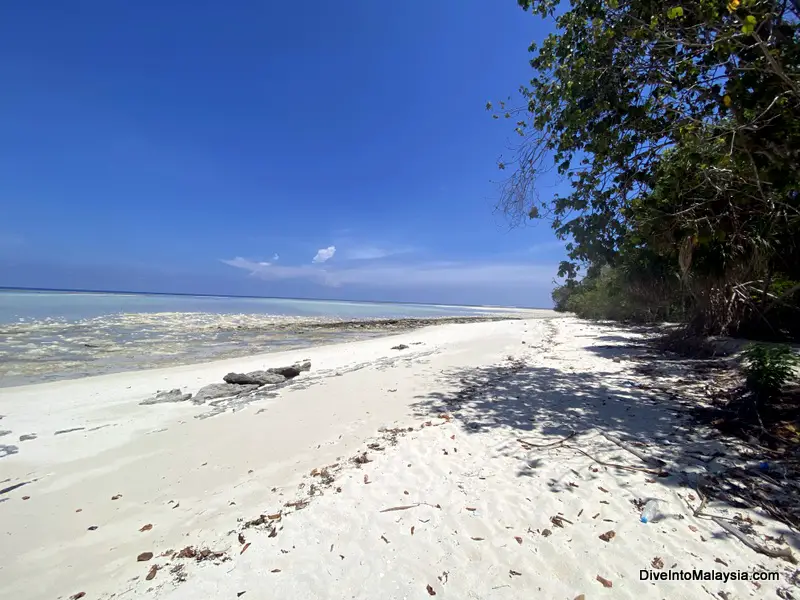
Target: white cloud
(324, 254)
(431, 274)
(275, 257)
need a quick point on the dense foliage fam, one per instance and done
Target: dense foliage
(676, 126)
(768, 368)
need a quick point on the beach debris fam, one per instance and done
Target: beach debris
(580, 597)
(144, 556)
(11, 488)
(443, 577)
(366, 478)
(607, 536)
(657, 563)
(26, 497)
(784, 553)
(606, 583)
(221, 390)
(179, 572)
(152, 572)
(512, 573)
(431, 591)
(400, 347)
(245, 547)
(275, 571)
(546, 533)
(27, 436)
(519, 539)
(241, 538)
(175, 395)
(478, 539)
(471, 509)
(62, 431)
(559, 521)
(361, 459)
(602, 489)
(412, 530)
(720, 561)
(240, 594)
(77, 596)
(77, 510)
(92, 527)
(147, 527)
(383, 537)
(116, 496)
(200, 555)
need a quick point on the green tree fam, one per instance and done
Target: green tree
(677, 126)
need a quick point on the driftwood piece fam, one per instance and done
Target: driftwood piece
(784, 553)
(550, 445)
(658, 472)
(650, 460)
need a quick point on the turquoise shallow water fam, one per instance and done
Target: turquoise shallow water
(46, 336)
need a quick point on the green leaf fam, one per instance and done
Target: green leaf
(675, 12)
(749, 24)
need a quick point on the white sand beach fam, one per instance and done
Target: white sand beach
(442, 499)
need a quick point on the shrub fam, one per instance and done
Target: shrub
(768, 367)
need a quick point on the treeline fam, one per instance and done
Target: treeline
(676, 129)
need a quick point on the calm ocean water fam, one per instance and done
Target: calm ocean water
(72, 306)
(46, 336)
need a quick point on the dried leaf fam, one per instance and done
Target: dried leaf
(580, 512)
(77, 596)
(657, 563)
(602, 489)
(26, 497)
(546, 533)
(366, 478)
(693, 528)
(469, 508)
(275, 516)
(144, 556)
(117, 497)
(607, 536)
(151, 573)
(273, 532)
(512, 572)
(78, 510)
(412, 530)
(519, 539)
(241, 538)
(147, 527)
(478, 539)
(383, 537)
(720, 561)
(604, 581)
(406, 507)
(245, 547)
(431, 591)
(275, 571)
(580, 597)
(92, 527)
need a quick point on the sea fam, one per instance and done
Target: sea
(50, 335)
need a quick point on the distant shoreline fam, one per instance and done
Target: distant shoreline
(185, 295)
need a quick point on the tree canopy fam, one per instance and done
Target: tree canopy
(677, 127)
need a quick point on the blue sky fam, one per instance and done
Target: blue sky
(328, 150)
